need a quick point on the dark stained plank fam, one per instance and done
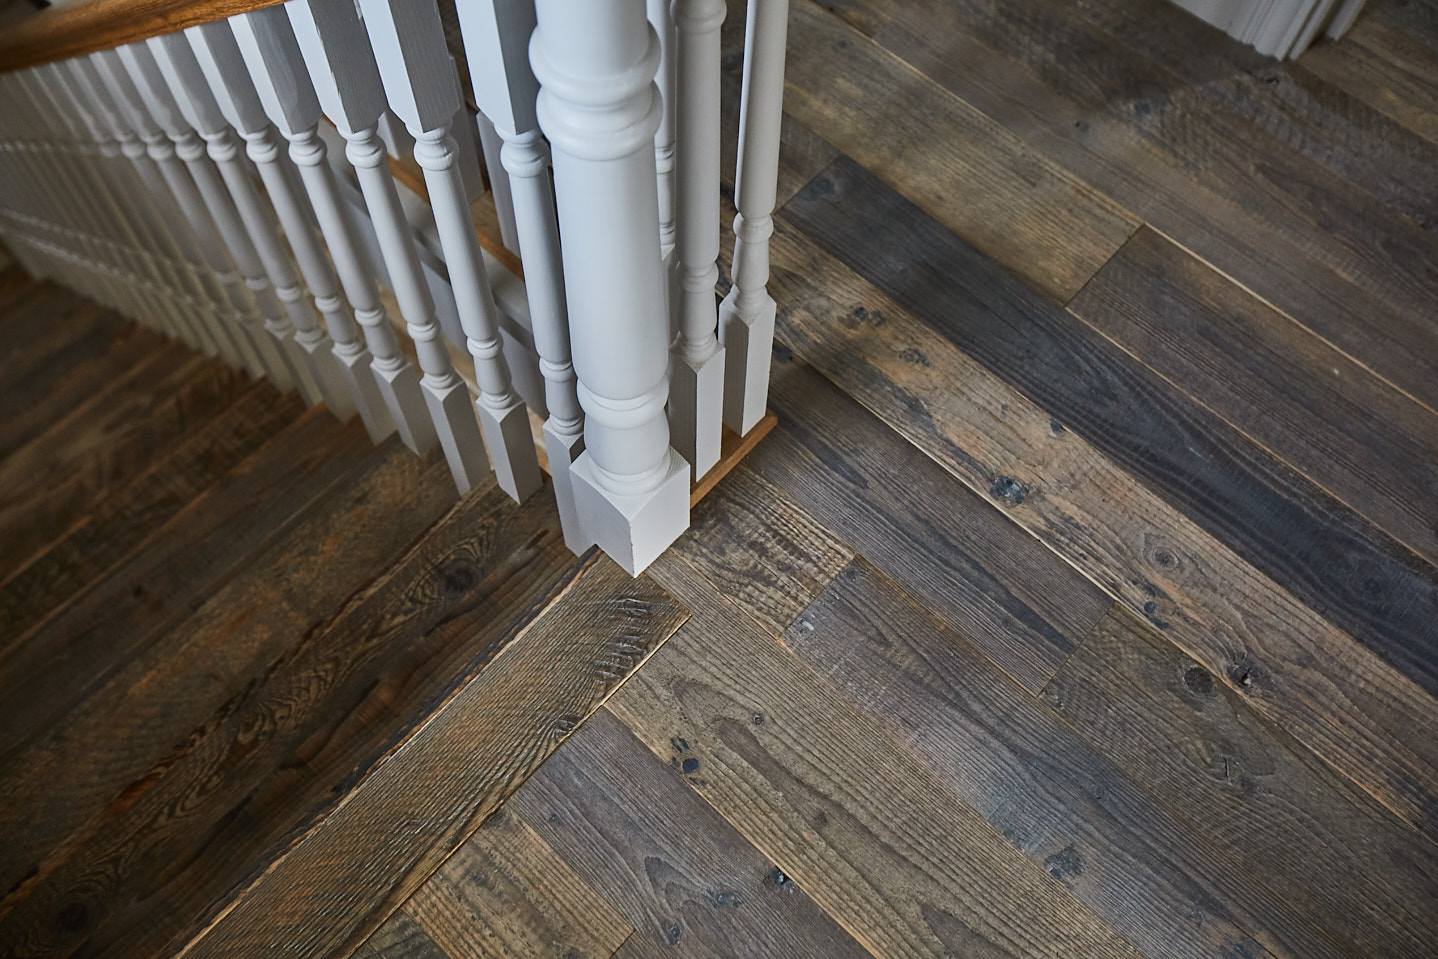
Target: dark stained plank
(1295, 668)
(674, 868)
(1369, 66)
(197, 620)
(125, 520)
(354, 867)
(1313, 407)
(752, 541)
(853, 817)
(400, 938)
(1074, 813)
(331, 706)
(1316, 246)
(1021, 604)
(1343, 860)
(48, 502)
(1288, 528)
(506, 892)
(978, 178)
(55, 666)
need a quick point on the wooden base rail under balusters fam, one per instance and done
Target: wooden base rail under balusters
(299, 188)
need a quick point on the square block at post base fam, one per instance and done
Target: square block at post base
(748, 344)
(633, 530)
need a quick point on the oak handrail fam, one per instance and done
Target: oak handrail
(75, 29)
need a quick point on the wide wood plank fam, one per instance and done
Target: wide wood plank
(506, 892)
(310, 724)
(842, 808)
(57, 664)
(1364, 66)
(1020, 603)
(1316, 409)
(355, 868)
(400, 938)
(681, 875)
(1074, 813)
(1285, 526)
(131, 699)
(126, 520)
(1345, 862)
(1336, 696)
(751, 540)
(1296, 233)
(980, 179)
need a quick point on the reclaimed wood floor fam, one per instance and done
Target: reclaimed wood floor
(1083, 602)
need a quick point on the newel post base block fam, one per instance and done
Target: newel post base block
(696, 396)
(399, 385)
(562, 450)
(452, 410)
(633, 529)
(748, 346)
(511, 447)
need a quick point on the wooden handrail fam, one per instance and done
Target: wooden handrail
(74, 29)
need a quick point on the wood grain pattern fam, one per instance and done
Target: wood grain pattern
(1015, 599)
(147, 686)
(755, 544)
(331, 891)
(73, 29)
(311, 723)
(127, 519)
(1319, 248)
(1346, 863)
(983, 182)
(1323, 414)
(400, 938)
(1256, 505)
(678, 872)
(1364, 67)
(1072, 812)
(885, 849)
(1338, 698)
(506, 892)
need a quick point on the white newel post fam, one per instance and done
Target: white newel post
(746, 317)
(211, 50)
(205, 193)
(408, 42)
(183, 213)
(169, 62)
(496, 38)
(267, 48)
(337, 52)
(596, 61)
(696, 389)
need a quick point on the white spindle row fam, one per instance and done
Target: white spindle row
(186, 181)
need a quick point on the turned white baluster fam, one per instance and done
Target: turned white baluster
(746, 316)
(491, 145)
(223, 180)
(596, 61)
(268, 53)
(207, 207)
(408, 41)
(181, 228)
(663, 25)
(696, 379)
(338, 54)
(496, 39)
(110, 193)
(197, 103)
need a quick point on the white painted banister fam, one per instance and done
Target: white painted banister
(746, 317)
(337, 52)
(231, 185)
(408, 40)
(598, 106)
